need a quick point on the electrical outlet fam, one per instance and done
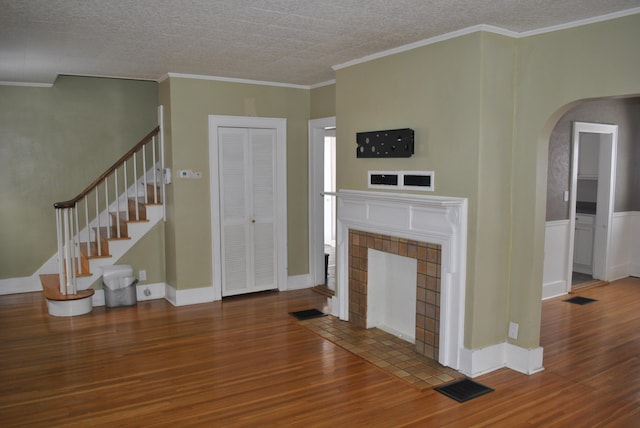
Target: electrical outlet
(513, 330)
(142, 275)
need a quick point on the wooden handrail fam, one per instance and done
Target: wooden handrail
(72, 202)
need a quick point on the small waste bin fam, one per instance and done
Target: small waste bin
(119, 286)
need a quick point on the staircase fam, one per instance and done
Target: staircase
(97, 227)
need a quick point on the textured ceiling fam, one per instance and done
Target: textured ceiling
(287, 41)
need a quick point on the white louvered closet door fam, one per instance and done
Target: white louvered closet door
(247, 204)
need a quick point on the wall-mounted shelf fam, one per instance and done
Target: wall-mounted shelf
(392, 143)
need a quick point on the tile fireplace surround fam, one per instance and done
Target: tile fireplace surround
(427, 328)
(435, 227)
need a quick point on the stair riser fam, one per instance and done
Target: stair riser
(117, 248)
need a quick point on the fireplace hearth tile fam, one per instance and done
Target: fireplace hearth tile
(387, 352)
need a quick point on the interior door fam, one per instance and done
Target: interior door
(604, 210)
(247, 209)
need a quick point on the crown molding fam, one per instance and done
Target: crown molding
(231, 80)
(490, 29)
(27, 84)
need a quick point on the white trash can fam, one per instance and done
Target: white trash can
(119, 286)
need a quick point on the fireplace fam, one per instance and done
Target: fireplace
(428, 229)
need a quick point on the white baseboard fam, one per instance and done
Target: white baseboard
(155, 291)
(25, 284)
(299, 282)
(151, 291)
(476, 362)
(618, 272)
(190, 296)
(527, 361)
(554, 289)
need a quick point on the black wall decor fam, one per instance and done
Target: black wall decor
(392, 143)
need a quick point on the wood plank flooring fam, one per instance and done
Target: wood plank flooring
(246, 362)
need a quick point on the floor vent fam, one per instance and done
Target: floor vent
(307, 314)
(463, 390)
(579, 300)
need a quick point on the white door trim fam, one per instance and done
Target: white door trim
(316, 201)
(606, 169)
(280, 125)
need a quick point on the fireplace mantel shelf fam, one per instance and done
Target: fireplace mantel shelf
(425, 200)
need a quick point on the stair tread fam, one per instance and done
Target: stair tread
(123, 218)
(93, 251)
(103, 234)
(51, 287)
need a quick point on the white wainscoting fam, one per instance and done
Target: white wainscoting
(625, 245)
(556, 251)
(624, 257)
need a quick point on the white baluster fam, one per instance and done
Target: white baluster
(126, 190)
(98, 241)
(135, 181)
(86, 223)
(144, 174)
(155, 178)
(106, 204)
(67, 253)
(115, 175)
(60, 231)
(76, 238)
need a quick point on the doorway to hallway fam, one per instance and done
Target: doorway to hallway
(593, 188)
(322, 208)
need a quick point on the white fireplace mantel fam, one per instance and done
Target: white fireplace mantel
(433, 219)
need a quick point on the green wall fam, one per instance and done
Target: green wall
(189, 257)
(53, 143)
(457, 96)
(553, 71)
(483, 106)
(323, 102)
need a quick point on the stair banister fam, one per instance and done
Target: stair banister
(70, 203)
(68, 224)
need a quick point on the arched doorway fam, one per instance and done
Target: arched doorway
(561, 219)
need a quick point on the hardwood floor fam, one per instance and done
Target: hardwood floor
(246, 362)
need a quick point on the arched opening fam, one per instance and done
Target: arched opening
(564, 220)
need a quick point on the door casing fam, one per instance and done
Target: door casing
(316, 200)
(606, 194)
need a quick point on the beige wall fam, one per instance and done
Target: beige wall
(487, 303)
(147, 254)
(553, 71)
(189, 257)
(482, 107)
(53, 143)
(447, 94)
(323, 102)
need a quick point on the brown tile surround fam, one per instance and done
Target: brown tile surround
(428, 257)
